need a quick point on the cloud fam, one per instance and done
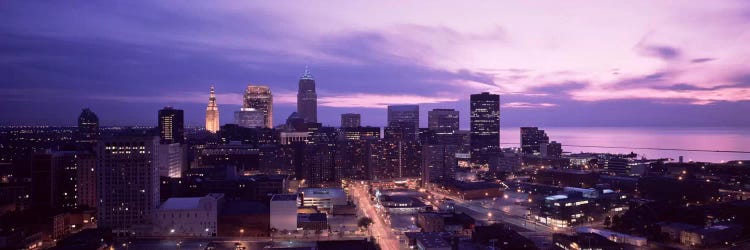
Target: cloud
(702, 60)
(526, 105)
(692, 96)
(663, 52)
(362, 100)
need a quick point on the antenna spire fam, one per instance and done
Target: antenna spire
(307, 74)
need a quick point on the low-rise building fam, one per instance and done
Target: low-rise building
(315, 221)
(473, 190)
(428, 240)
(323, 198)
(283, 208)
(710, 236)
(564, 210)
(188, 216)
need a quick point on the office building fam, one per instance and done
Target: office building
(531, 139)
(552, 149)
(171, 160)
(401, 131)
(438, 163)
(350, 120)
(171, 125)
(360, 133)
(88, 130)
(319, 165)
(284, 211)
(485, 126)
(250, 118)
(323, 198)
(188, 216)
(86, 180)
(307, 99)
(389, 159)
(403, 113)
(128, 183)
(212, 113)
(443, 120)
(53, 179)
(563, 210)
(259, 98)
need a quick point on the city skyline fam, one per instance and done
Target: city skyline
(386, 125)
(419, 60)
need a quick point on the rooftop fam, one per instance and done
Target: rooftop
(320, 217)
(284, 197)
(430, 239)
(322, 193)
(186, 203)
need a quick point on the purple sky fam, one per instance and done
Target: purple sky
(555, 63)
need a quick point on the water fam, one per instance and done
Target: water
(625, 138)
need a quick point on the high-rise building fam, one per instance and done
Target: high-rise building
(307, 99)
(350, 120)
(552, 149)
(443, 120)
(403, 113)
(531, 139)
(401, 131)
(86, 180)
(53, 179)
(360, 133)
(439, 163)
(390, 159)
(403, 119)
(212, 113)
(485, 125)
(260, 98)
(171, 125)
(88, 130)
(250, 118)
(128, 177)
(171, 160)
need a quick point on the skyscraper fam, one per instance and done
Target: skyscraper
(403, 120)
(438, 163)
(307, 99)
(443, 120)
(212, 113)
(260, 98)
(403, 113)
(250, 118)
(128, 183)
(88, 130)
(350, 120)
(53, 179)
(531, 140)
(86, 180)
(171, 125)
(485, 125)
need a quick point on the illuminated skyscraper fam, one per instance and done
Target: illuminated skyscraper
(531, 140)
(350, 120)
(307, 99)
(88, 130)
(171, 125)
(259, 98)
(443, 120)
(485, 125)
(127, 183)
(212, 113)
(403, 122)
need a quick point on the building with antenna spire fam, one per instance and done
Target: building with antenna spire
(307, 99)
(212, 113)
